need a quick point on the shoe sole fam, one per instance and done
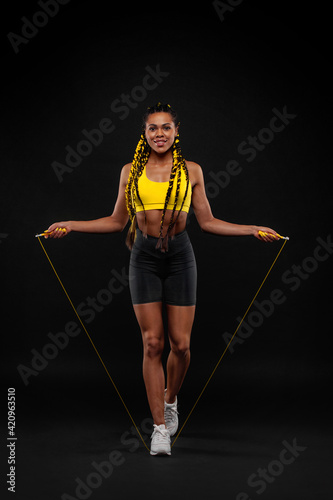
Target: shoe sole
(160, 453)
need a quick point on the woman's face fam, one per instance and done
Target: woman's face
(160, 131)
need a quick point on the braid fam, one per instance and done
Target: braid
(140, 159)
(179, 164)
(167, 198)
(180, 160)
(179, 178)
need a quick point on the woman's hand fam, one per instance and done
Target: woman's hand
(59, 230)
(269, 236)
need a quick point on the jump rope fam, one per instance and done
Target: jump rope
(262, 233)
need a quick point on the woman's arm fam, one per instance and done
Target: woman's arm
(210, 224)
(111, 224)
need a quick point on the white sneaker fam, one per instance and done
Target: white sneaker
(171, 416)
(160, 441)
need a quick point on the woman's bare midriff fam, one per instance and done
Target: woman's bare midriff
(153, 220)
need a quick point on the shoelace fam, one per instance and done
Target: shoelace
(160, 434)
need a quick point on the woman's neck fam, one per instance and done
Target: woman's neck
(160, 159)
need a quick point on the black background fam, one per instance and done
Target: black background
(224, 78)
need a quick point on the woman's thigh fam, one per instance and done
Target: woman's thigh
(150, 319)
(180, 322)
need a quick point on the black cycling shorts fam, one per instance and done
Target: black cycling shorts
(156, 276)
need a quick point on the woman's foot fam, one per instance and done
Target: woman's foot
(171, 416)
(160, 441)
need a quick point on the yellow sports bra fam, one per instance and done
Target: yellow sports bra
(153, 194)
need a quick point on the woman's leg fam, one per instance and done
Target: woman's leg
(149, 317)
(180, 321)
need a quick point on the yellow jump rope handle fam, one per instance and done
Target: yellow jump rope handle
(263, 233)
(46, 233)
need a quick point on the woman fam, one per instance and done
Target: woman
(155, 193)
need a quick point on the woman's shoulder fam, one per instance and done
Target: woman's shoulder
(192, 166)
(194, 170)
(124, 174)
(126, 170)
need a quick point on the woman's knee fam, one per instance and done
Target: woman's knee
(181, 348)
(153, 345)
